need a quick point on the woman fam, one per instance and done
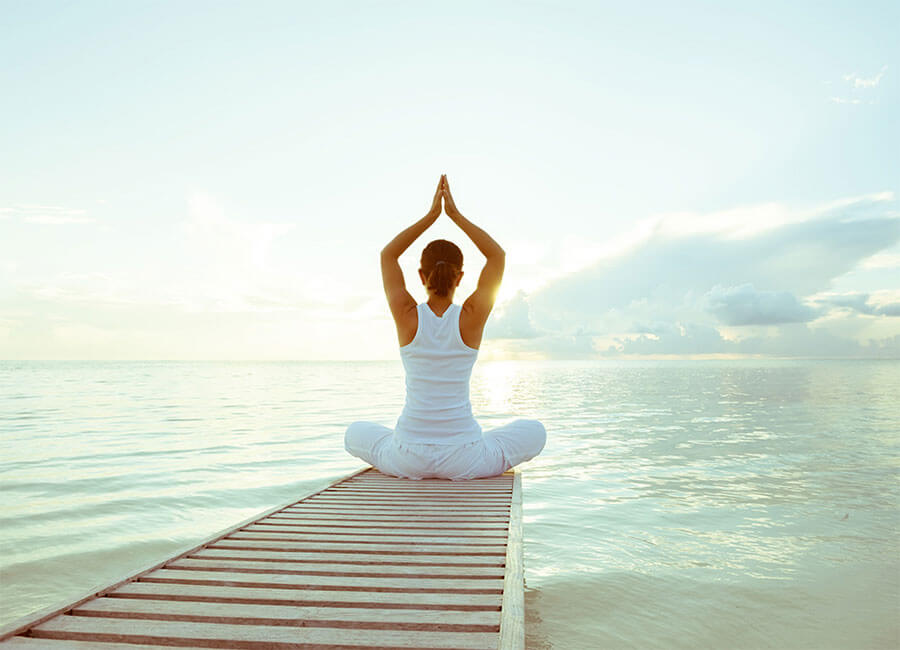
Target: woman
(436, 435)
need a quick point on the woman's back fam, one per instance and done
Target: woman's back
(438, 367)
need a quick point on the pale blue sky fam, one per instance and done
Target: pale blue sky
(215, 179)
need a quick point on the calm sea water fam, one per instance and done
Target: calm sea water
(677, 504)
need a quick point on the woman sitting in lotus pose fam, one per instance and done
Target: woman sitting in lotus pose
(436, 435)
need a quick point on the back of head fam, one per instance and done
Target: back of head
(441, 263)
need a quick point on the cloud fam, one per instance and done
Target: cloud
(856, 85)
(233, 267)
(859, 302)
(796, 340)
(216, 264)
(707, 285)
(845, 100)
(683, 339)
(800, 257)
(865, 82)
(513, 322)
(46, 214)
(744, 305)
(882, 261)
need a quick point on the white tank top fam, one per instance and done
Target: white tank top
(438, 367)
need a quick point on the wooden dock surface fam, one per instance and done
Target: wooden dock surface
(370, 561)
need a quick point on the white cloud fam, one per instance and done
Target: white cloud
(796, 340)
(865, 82)
(882, 261)
(223, 266)
(674, 290)
(859, 87)
(861, 303)
(512, 322)
(46, 214)
(845, 100)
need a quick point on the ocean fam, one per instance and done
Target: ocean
(677, 504)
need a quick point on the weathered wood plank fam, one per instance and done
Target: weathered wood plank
(399, 507)
(412, 507)
(365, 493)
(393, 533)
(441, 504)
(289, 615)
(395, 489)
(512, 616)
(280, 638)
(345, 547)
(329, 558)
(376, 474)
(308, 598)
(324, 583)
(399, 518)
(364, 538)
(31, 643)
(498, 524)
(332, 568)
(393, 504)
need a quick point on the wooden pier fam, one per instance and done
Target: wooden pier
(370, 561)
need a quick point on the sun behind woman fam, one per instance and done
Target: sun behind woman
(436, 435)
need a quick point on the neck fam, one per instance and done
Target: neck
(440, 301)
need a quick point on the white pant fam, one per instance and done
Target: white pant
(497, 451)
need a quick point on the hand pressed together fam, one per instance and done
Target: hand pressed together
(449, 206)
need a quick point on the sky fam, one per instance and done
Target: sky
(215, 180)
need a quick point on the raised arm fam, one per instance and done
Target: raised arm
(399, 299)
(482, 299)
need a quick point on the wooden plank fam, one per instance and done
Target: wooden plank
(451, 509)
(401, 507)
(430, 502)
(498, 534)
(328, 558)
(450, 486)
(447, 488)
(259, 636)
(409, 619)
(375, 473)
(332, 568)
(324, 583)
(424, 496)
(495, 525)
(21, 624)
(395, 489)
(364, 538)
(399, 518)
(30, 643)
(308, 598)
(512, 616)
(372, 549)
(444, 504)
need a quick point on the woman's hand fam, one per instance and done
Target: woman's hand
(449, 205)
(436, 208)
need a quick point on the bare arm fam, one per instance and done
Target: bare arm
(482, 299)
(399, 299)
